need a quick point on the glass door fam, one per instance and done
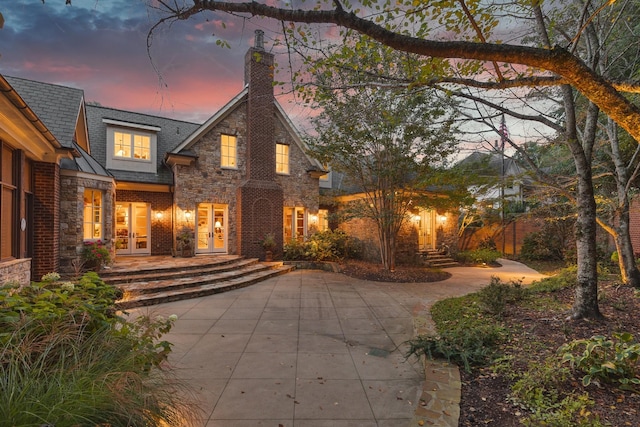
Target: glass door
(212, 228)
(132, 229)
(425, 230)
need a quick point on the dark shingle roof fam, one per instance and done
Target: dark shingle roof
(172, 133)
(57, 106)
(84, 163)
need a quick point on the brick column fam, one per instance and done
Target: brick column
(46, 219)
(260, 199)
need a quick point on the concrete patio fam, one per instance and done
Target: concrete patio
(316, 349)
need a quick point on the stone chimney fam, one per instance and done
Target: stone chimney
(260, 198)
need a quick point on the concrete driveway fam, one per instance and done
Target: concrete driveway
(318, 349)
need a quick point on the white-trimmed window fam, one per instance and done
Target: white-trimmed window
(295, 224)
(282, 159)
(323, 220)
(92, 214)
(228, 151)
(131, 146)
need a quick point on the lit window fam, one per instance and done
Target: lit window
(131, 145)
(323, 220)
(92, 214)
(282, 159)
(295, 224)
(228, 151)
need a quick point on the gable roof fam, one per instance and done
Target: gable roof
(185, 147)
(171, 134)
(58, 107)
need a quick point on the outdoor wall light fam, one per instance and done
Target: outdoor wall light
(442, 218)
(158, 215)
(187, 214)
(416, 218)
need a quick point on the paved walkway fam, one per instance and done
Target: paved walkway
(318, 349)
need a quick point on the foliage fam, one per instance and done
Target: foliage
(607, 360)
(323, 246)
(478, 256)
(387, 143)
(497, 295)
(537, 390)
(96, 253)
(563, 279)
(67, 358)
(465, 335)
(268, 242)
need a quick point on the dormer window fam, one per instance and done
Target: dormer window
(131, 146)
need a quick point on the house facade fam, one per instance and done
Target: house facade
(145, 185)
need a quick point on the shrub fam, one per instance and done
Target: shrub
(607, 360)
(478, 256)
(322, 246)
(465, 336)
(537, 390)
(496, 296)
(96, 254)
(67, 358)
(538, 246)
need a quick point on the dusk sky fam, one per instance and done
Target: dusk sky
(100, 46)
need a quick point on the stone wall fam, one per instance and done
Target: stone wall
(207, 182)
(71, 216)
(299, 188)
(18, 270)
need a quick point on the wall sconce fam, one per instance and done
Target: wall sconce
(187, 214)
(314, 218)
(158, 216)
(442, 219)
(416, 218)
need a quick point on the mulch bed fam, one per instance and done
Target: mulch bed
(402, 274)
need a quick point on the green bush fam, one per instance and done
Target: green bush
(478, 256)
(565, 278)
(496, 296)
(67, 358)
(537, 390)
(323, 246)
(465, 335)
(606, 360)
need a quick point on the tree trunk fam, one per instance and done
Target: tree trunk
(585, 304)
(626, 258)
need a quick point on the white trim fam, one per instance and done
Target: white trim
(132, 125)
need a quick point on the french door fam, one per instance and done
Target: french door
(426, 227)
(212, 229)
(133, 229)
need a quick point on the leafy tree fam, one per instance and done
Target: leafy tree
(388, 144)
(455, 44)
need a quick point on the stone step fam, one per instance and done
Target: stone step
(127, 266)
(176, 272)
(436, 259)
(198, 288)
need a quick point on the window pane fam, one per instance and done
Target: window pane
(8, 222)
(7, 165)
(228, 151)
(92, 212)
(282, 158)
(142, 147)
(122, 144)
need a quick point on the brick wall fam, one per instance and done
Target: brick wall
(161, 228)
(46, 218)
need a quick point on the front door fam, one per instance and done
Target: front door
(132, 229)
(212, 228)
(426, 236)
